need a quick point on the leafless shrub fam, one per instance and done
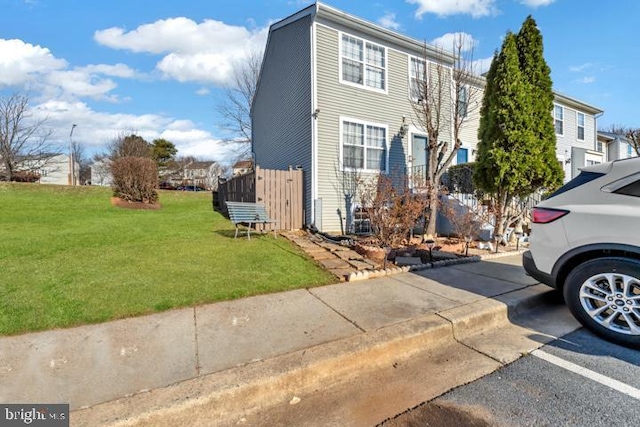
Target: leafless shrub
(135, 179)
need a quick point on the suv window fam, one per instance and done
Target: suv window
(632, 189)
(579, 180)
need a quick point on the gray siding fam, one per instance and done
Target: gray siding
(282, 130)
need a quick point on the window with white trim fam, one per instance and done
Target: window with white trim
(463, 100)
(417, 76)
(558, 115)
(364, 146)
(599, 147)
(580, 120)
(363, 63)
(629, 150)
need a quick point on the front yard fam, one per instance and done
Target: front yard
(68, 257)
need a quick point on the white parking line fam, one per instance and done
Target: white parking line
(587, 373)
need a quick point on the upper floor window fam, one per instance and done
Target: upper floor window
(463, 100)
(580, 120)
(558, 115)
(599, 147)
(364, 146)
(417, 78)
(363, 63)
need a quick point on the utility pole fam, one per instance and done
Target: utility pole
(72, 169)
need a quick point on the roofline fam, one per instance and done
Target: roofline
(331, 13)
(565, 99)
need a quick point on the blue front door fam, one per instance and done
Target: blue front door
(463, 156)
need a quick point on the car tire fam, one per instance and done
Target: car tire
(603, 294)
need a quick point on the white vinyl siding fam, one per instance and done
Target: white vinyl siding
(580, 130)
(363, 63)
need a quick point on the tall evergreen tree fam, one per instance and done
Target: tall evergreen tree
(547, 172)
(516, 152)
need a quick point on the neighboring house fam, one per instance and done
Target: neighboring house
(241, 167)
(335, 96)
(100, 173)
(204, 174)
(614, 146)
(52, 168)
(576, 135)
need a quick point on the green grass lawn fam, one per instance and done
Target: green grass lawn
(67, 257)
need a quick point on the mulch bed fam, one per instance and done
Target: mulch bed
(121, 203)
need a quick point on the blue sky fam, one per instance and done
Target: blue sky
(157, 67)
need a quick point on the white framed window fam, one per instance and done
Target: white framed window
(580, 122)
(363, 63)
(599, 147)
(463, 100)
(629, 150)
(558, 115)
(363, 145)
(417, 77)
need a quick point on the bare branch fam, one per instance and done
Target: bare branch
(235, 108)
(24, 140)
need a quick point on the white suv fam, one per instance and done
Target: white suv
(585, 241)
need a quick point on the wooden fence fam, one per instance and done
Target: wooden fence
(281, 191)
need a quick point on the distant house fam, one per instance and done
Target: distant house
(50, 168)
(100, 173)
(242, 167)
(576, 135)
(336, 95)
(200, 173)
(614, 146)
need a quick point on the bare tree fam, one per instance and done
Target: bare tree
(24, 141)
(444, 97)
(128, 144)
(632, 135)
(235, 107)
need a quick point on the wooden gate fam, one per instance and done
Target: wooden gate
(281, 191)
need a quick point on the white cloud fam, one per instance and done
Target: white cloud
(203, 91)
(481, 66)
(450, 42)
(197, 52)
(586, 80)
(580, 68)
(389, 21)
(96, 129)
(536, 3)
(475, 8)
(22, 62)
(24, 65)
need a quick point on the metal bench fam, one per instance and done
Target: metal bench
(248, 214)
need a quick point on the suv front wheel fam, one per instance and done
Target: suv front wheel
(604, 295)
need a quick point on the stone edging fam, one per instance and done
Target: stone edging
(370, 274)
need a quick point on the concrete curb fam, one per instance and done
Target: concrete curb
(229, 393)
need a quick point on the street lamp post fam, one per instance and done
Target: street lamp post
(72, 171)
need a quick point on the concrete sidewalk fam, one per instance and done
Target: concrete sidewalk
(241, 351)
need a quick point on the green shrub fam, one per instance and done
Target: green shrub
(135, 179)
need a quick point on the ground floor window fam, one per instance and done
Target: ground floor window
(364, 146)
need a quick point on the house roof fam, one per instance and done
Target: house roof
(610, 136)
(243, 164)
(322, 10)
(576, 103)
(319, 9)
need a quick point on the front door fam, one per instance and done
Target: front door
(419, 156)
